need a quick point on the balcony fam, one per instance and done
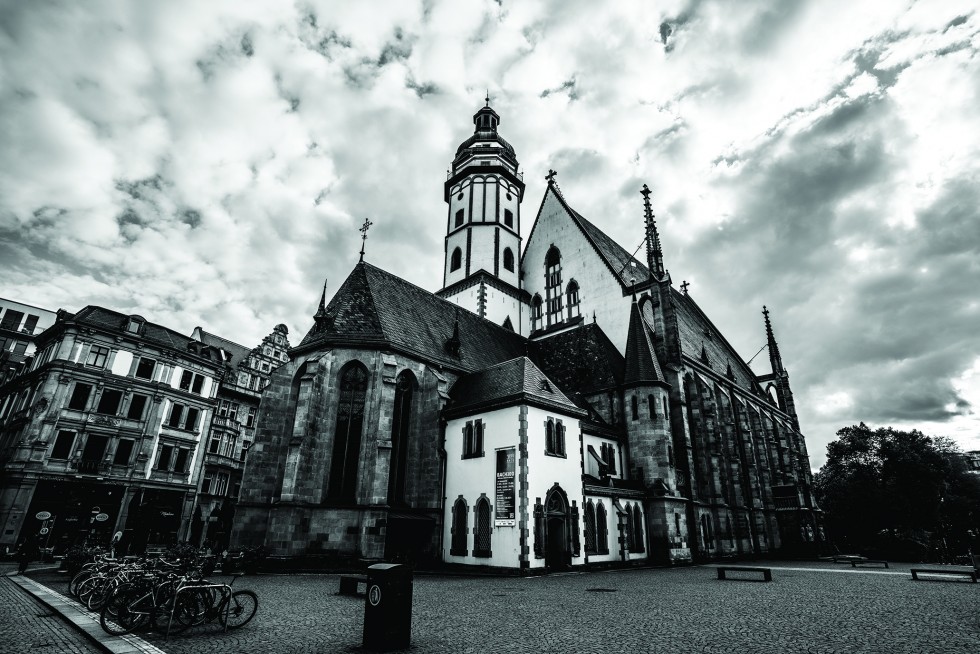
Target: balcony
(226, 422)
(90, 467)
(786, 502)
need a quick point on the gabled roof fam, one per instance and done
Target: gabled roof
(581, 360)
(642, 365)
(517, 381)
(374, 308)
(621, 264)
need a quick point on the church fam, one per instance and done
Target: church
(556, 406)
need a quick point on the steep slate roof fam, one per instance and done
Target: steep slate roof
(107, 319)
(581, 360)
(517, 381)
(612, 253)
(641, 357)
(696, 329)
(237, 352)
(374, 308)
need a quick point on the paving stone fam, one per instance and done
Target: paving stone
(808, 607)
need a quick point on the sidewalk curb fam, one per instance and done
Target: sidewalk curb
(84, 620)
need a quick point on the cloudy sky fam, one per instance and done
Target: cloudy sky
(208, 163)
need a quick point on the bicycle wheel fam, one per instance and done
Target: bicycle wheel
(124, 611)
(76, 580)
(86, 588)
(241, 606)
(191, 609)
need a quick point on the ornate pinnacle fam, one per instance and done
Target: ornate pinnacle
(655, 257)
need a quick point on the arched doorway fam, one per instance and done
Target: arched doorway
(557, 554)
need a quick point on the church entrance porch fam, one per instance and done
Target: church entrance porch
(556, 553)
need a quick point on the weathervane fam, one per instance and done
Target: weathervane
(364, 230)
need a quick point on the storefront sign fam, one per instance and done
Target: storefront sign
(102, 517)
(43, 515)
(505, 496)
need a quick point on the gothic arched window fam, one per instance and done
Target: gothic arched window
(552, 285)
(456, 260)
(508, 259)
(458, 543)
(571, 297)
(652, 406)
(536, 312)
(347, 433)
(638, 545)
(401, 422)
(601, 530)
(481, 537)
(590, 539)
(626, 520)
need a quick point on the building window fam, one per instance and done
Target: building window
(706, 535)
(458, 542)
(456, 260)
(552, 284)
(215, 483)
(214, 445)
(30, 323)
(11, 320)
(109, 402)
(473, 439)
(670, 456)
(176, 412)
(508, 217)
(652, 406)
(190, 422)
(601, 529)
(638, 539)
(124, 451)
(626, 525)
(608, 453)
(97, 356)
(590, 540)
(634, 407)
(135, 324)
(347, 432)
(79, 396)
(136, 407)
(163, 459)
(192, 382)
(401, 424)
(245, 446)
(508, 259)
(536, 316)
(63, 445)
(554, 437)
(250, 418)
(459, 218)
(571, 295)
(677, 525)
(481, 537)
(144, 369)
(180, 460)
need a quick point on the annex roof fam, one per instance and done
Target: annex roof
(374, 308)
(642, 365)
(517, 381)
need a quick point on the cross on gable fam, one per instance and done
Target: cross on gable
(550, 176)
(364, 230)
(684, 286)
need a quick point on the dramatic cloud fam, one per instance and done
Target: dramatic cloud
(210, 163)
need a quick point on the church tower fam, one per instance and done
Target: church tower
(483, 243)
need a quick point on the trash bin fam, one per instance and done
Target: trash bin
(388, 607)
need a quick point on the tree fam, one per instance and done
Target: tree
(898, 491)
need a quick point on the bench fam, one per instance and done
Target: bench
(855, 563)
(848, 558)
(972, 574)
(349, 584)
(766, 572)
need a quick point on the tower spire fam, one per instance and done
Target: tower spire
(322, 309)
(774, 358)
(655, 256)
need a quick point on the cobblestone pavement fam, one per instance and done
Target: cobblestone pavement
(26, 625)
(819, 608)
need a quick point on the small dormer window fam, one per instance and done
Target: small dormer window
(134, 325)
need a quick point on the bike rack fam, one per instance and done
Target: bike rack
(225, 595)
